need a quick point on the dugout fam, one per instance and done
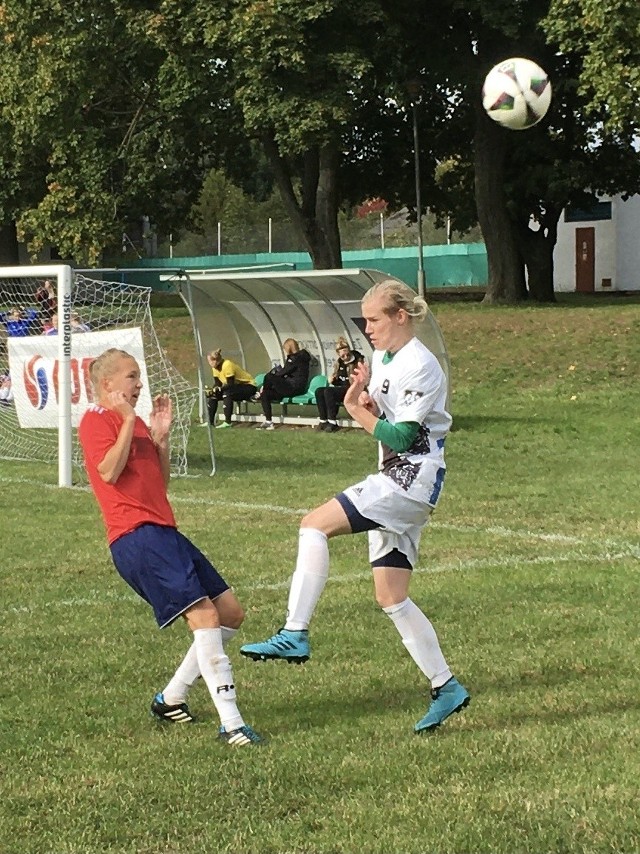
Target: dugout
(249, 314)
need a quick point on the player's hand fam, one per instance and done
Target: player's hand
(118, 402)
(161, 417)
(358, 381)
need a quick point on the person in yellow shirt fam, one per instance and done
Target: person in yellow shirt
(230, 383)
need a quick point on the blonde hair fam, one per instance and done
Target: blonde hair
(104, 366)
(290, 345)
(396, 296)
(342, 344)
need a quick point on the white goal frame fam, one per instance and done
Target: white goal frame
(114, 313)
(63, 274)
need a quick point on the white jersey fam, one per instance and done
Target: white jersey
(412, 386)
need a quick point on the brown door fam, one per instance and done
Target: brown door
(585, 260)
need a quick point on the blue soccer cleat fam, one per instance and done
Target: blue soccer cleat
(178, 714)
(449, 698)
(240, 737)
(287, 645)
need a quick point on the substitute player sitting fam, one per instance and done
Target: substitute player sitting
(402, 404)
(128, 468)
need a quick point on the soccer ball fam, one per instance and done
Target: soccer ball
(516, 93)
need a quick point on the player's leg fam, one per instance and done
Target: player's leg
(392, 558)
(334, 518)
(231, 615)
(170, 573)
(205, 619)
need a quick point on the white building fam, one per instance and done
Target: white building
(599, 249)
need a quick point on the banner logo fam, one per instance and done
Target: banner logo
(35, 382)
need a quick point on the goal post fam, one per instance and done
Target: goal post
(62, 275)
(43, 308)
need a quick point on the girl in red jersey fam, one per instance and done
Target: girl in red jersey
(128, 468)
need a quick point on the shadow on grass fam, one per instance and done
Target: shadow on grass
(469, 422)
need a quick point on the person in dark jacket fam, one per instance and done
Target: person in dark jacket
(329, 398)
(285, 380)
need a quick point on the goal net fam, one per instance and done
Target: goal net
(96, 315)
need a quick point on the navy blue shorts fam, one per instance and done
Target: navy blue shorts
(166, 569)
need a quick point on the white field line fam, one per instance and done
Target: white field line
(614, 550)
(104, 597)
(632, 549)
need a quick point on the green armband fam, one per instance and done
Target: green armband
(399, 437)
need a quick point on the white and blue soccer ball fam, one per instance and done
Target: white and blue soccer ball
(516, 93)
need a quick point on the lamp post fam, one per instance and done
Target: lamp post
(413, 88)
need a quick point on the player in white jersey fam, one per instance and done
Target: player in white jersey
(402, 404)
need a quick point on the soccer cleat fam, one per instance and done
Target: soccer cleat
(321, 425)
(240, 737)
(224, 425)
(179, 714)
(332, 428)
(288, 645)
(449, 698)
(266, 425)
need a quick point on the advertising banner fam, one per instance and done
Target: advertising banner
(34, 369)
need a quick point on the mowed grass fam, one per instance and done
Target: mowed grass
(529, 572)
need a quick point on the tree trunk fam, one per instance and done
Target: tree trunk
(9, 256)
(316, 214)
(537, 250)
(506, 283)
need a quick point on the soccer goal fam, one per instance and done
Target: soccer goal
(53, 323)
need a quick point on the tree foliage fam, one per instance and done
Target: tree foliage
(113, 109)
(605, 34)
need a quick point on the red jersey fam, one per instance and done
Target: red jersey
(140, 494)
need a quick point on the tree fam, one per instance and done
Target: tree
(100, 122)
(605, 34)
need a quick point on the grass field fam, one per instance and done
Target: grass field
(529, 571)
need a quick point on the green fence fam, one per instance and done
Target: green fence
(453, 265)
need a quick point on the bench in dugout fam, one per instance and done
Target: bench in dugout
(250, 410)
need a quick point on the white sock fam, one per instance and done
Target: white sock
(309, 578)
(215, 668)
(182, 680)
(227, 634)
(421, 641)
(189, 672)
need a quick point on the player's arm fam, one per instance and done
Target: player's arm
(112, 464)
(358, 402)
(399, 437)
(160, 427)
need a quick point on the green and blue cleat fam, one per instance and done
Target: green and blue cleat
(450, 698)
(286, 645)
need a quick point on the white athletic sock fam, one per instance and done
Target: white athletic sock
(215, 668)
(189, 672)
(421, 641)
(182, 680)
(227, 634)
(309, 578)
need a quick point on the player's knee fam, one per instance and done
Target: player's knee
(234, 616)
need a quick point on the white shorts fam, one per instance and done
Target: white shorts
(401, 513)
